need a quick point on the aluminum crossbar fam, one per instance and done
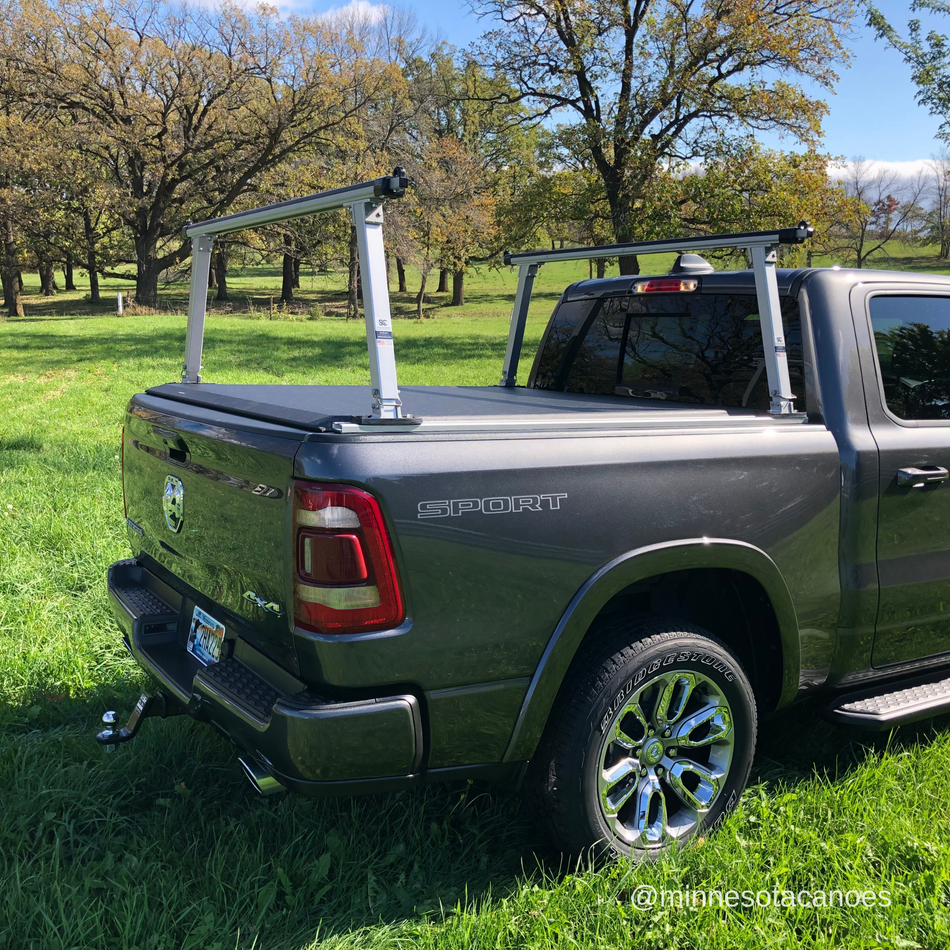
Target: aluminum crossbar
(761, 247)
(365, 201)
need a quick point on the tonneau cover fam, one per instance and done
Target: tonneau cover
(316, 408)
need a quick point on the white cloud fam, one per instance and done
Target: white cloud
(356, 11)
(900, 171)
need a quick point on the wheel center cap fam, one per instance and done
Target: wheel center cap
(652, 752)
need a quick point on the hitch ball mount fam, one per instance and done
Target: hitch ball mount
(148, 705)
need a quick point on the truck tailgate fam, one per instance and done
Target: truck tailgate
(211, 504)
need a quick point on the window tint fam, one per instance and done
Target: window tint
(594, 368)
(703, 349)
(913, 349)
(557, 340)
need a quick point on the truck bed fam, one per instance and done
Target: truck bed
(317, 408)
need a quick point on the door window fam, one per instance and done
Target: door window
(912, 336)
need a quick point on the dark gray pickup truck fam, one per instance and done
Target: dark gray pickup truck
(594, 584)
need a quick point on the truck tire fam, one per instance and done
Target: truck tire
(650, 742)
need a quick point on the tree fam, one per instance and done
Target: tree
(938, 218)
(446, 212)
(741, 186)
(654, 82)
(928, 56)
(469, 114)
(186, 106)
(882, 209)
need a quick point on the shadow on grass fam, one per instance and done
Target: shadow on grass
(169, 816)
(255, 300)
(797, 743)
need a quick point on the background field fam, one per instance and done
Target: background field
(164, 845)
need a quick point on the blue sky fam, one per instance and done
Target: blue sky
(873, 112)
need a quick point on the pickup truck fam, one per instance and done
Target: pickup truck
(592, 586)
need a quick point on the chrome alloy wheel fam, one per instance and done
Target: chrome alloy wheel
(665, 759)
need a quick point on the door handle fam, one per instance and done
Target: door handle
(923, 475)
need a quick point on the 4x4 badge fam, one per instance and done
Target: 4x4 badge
(267, 605)
(173, 503)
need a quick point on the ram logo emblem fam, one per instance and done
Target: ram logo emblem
(173, 503)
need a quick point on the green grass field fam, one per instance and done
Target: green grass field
(164, 845)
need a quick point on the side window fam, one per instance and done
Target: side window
(702, 349)
(594, 369)
(557, 341)
(912, 335)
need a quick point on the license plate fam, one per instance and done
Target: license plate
(205, 637)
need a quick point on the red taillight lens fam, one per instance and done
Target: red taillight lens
(331, 558)
(666, 286)
(345, 578)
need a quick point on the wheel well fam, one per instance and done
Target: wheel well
(728, 603)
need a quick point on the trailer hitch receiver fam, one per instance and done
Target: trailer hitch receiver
(158, 705)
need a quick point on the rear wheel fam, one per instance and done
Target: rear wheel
(651, 741)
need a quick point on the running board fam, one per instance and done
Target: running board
(894, 704)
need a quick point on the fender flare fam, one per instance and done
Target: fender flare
(637, 565)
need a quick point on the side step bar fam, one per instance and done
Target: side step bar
(893, 705)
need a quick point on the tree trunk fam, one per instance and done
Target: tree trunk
(47, 277)
(602, 267)
(68, 275)
(212, 281)
(621, 216)
(401, 274)
(146, 282)
(19, 281)
(353, 277)
(421, 295)
(92, 263)
(287, 278)
(443, 281)
(458, 288)
(148, 269)
(630, 265)
(296, 273)
(12, 293)
(220, 264)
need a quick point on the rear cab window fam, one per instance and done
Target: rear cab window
(694, 348)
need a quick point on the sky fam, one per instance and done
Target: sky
(873, 113)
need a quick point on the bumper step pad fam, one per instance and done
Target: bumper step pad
(143, 602)
(894, 704)
(232, 681)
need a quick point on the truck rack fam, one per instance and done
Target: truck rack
(761, 246)
(365, 201)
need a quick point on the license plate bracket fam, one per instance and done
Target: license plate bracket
(205, 637)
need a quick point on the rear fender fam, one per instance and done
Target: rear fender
(620, 573)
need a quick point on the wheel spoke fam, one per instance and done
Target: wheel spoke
(717, 718)
(650, 822)
(707, 786)
(613, 777)
(672, 701)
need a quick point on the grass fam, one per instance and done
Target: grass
(164, 845)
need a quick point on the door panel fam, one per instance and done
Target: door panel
(909, 411)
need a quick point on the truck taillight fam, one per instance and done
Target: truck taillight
(345, 578)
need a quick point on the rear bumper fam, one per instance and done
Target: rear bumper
(311, 744)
